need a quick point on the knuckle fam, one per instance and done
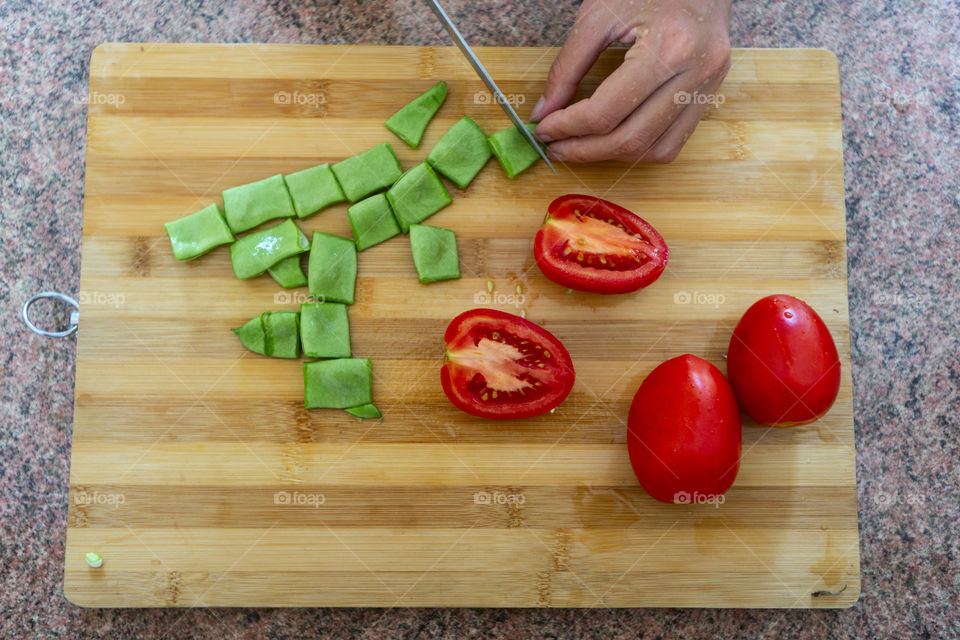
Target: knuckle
(580, 152)
(664, 154)
(598, 120)
(679, 47)
(717, 58)
(558, 74)
(633, 147)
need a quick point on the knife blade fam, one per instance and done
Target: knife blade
(487, 80)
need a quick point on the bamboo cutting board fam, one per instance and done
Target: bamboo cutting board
(202, 481)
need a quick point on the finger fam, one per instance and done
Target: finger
(617, 97)
(668, 146)
(637, 133)
(588, 38)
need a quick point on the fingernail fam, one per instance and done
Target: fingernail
(542, 137)
(535, 114)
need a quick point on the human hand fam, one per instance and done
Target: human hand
(639, 113)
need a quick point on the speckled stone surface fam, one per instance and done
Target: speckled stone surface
(900, 69)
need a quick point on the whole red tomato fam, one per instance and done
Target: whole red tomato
(684, 432)
(783, 363)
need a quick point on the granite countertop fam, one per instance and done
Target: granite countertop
(900, 71)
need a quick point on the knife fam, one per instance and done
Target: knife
(487, 80)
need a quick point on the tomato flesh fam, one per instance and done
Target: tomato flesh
(684, 432)
(594, 245)
(783, 363)
(502, 366)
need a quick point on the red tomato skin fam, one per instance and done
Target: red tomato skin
(589, 280)
(783, 363)
(684, 431)
(565, 373)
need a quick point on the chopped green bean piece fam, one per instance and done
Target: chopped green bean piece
(253, 334)
(512, 150)
(417, 195)
(250, 205)
(461, 152)
(256, 252)
(434, 253)
(372, 221)
(412, 119)
(288, 273)
(365, 411)
(324, 330)
(272, 333)
(365, 173)
(198, 233)
(313, 189)
(332, 269)
(337, 384)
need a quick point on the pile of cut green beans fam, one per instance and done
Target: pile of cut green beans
(385, 201)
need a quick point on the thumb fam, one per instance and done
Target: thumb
(586, 41)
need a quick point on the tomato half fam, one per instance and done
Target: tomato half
(593, 245)
(503, 366)
(684, 432)
(782, 362)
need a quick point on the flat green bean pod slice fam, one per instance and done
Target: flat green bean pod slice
(417, 195)
(332, 269)
(288, 273)
(337, 384)
(272, 333)
(256, 252)
(365, 411)
(366, 173)
(372, 221)
(313, 190)
(513, 151)
(412, 119)
(461, 153)
(434, 253)
(250, 205)
(195, 234)
(324, 330)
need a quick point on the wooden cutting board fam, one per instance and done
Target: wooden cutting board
(202, 481)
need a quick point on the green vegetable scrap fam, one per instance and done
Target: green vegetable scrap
(195, 234)
(412, 119)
